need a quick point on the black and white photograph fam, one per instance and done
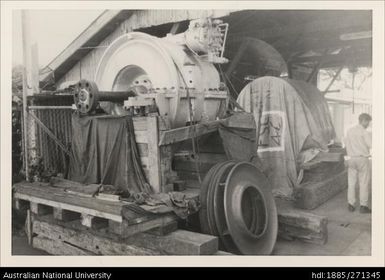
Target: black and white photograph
(216, 131)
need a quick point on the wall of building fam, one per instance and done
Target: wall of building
(86, 67)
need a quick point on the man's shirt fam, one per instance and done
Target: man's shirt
(358, 142)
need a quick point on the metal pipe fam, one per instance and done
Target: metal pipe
(49, 107)
(115, 96)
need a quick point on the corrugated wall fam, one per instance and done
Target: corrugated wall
(85, 68)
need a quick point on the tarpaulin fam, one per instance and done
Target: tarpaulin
(104, 152)
(290, 117)
(239, 143)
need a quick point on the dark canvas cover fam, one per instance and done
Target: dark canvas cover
(104, 152)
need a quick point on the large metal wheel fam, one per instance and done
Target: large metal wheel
(250, 210)
(238, 207)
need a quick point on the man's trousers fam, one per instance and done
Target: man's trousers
(359, 171)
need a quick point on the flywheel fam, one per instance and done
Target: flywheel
(239, 208)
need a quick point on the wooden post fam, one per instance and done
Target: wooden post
(30, 86)
(154, 165)
(24, 19)
(28, 227)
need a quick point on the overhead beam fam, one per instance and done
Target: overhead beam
(334, 57)
(325, 24)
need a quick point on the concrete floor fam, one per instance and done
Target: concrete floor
(349, 234)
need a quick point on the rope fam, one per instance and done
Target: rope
(231, 98)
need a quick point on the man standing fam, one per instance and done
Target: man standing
(358, 143)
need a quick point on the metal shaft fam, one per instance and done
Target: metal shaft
(115, 96)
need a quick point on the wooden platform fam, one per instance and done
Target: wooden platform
(65, 223)
(72, 238)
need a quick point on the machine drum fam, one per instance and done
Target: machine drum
(239, 208)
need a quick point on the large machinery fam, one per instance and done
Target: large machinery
(175, 77)
(176, 73)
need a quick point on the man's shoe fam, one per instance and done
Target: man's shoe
(365, 210)
(351, 208)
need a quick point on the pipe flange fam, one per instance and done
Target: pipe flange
(86, 96)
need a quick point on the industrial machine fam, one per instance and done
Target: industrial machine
(148, 105)
(176, 73)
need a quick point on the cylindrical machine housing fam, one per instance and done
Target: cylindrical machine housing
(171, 73)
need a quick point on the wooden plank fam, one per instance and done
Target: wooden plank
(154, 165)
(109, 197)
(70, 207)
(312, 194)
(75, 187)
(56, 247)
(164, 229)
(142, 149)
(180, 242)
(303, 220)
(297, 224)
(166, 166)
(84, 239)
(28, 227)
(288, 232)
(183, 133)
(241, 120)
(64, 183)
(124, 229)
(58, 198)
(141, 137)
(140, 124)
